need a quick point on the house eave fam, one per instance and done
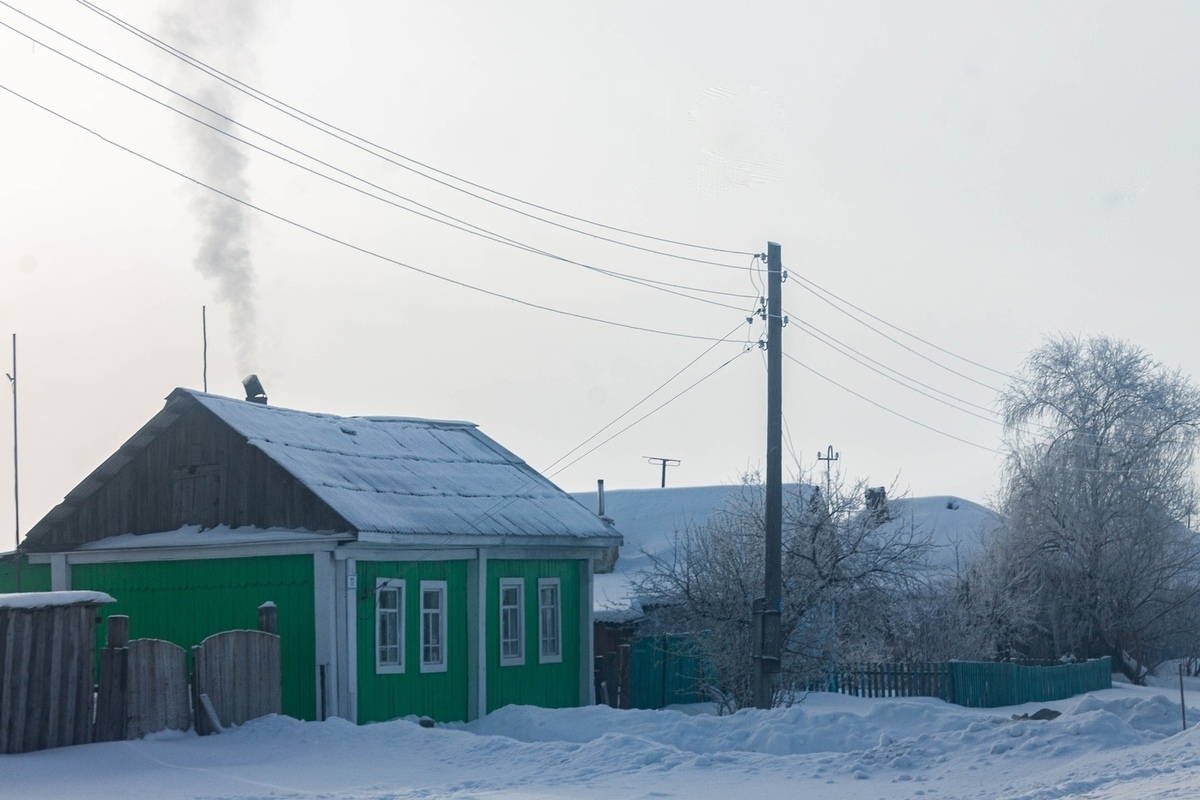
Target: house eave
(188, 552)
(434, 540)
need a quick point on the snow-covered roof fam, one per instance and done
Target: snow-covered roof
(956, 527)
(26, 600)
(649, 519)
(400, 475)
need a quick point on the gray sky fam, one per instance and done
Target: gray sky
(977, 174)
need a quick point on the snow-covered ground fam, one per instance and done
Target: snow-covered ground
(1123, 742)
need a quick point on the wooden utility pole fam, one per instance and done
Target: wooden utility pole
(828, 458)
(768, 623)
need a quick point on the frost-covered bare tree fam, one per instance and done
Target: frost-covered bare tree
(844, 563)
(982, 612)
(1099, 491)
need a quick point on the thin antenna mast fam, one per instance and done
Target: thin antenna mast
(204, 333)
(16, 461)
(12, 378)
(664, 462)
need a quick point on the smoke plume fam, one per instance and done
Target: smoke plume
(221, 34)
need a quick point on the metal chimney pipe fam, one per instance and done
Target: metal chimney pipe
(600, 497)
(254, 390)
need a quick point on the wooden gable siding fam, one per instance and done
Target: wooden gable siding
(197, 471)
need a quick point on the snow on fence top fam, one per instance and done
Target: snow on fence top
(27, 600)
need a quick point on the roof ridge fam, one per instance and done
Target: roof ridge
(196, 393)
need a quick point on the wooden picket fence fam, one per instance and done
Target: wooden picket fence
(236, 678)
(968, 683)
(887, 680)
(47, 695)
(144, 684)
(46, 662)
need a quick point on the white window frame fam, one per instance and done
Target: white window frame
(519, 658)
(440, 588)
(544, 635)
(396, 585)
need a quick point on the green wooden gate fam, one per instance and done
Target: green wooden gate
(663, 671)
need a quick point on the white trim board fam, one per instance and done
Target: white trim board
(186, 552)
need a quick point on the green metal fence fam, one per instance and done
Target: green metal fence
(973, 684)
(981, 685)
(663, 671)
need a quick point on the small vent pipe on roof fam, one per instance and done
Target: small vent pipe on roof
(600, 497)
(254, 390)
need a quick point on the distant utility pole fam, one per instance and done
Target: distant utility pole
(828, 458)
(665, 462)
(767, 610)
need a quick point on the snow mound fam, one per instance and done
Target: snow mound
(1117, 743)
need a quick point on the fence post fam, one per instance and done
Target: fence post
(112, 695)
(610, 678)
(267, 617)
(624, 675)
(199, 718)
(598, 679)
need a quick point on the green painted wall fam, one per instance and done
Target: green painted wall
(34, 577)
(546, 685)
(186, 601)
(439, 695)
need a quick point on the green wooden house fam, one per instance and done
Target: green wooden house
(418, 566)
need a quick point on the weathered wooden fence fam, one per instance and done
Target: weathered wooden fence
(887, 680)
(612, 675)
(236, 676)
(48, 699)
(47, 642)
(143, 686)
(968, 683)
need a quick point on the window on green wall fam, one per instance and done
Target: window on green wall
(549, 622)
(512, 621)
(433, 626)
(389, 625)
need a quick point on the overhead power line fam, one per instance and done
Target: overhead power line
(988, 415)
(350, 245)
(882, 407)
(449, 220)
(513, 496)
(897, 377)
(824, 294)
(650, 413)
(411, 164)
(632, 408)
